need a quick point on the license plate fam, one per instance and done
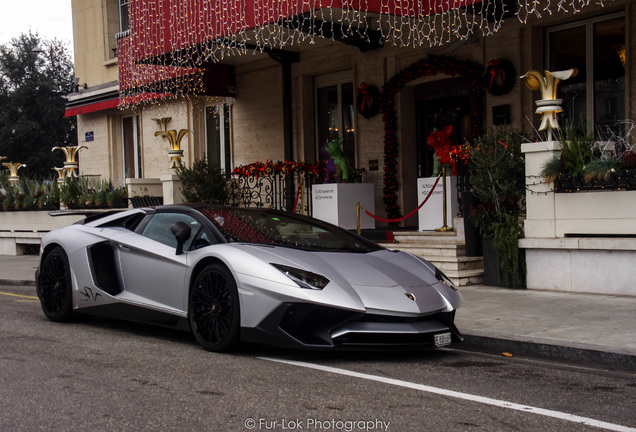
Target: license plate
(442, 339)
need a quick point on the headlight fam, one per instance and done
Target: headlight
(304, 278)
(444, 279)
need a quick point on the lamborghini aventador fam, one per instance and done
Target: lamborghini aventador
(245, 274)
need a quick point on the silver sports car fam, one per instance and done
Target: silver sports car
(231, 274)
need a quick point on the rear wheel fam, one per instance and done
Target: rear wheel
(54, 285)
(214, 308)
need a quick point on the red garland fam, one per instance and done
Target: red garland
(425, 67)
(258, 169)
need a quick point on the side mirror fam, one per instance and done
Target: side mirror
(181, 231)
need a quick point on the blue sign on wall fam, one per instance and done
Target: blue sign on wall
(88, 136)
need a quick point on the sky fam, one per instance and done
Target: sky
(49, 18)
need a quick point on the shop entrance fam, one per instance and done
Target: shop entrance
(439, 104)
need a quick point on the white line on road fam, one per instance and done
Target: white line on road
(466, 396)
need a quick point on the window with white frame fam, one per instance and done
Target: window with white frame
(124, 19)
(217, 135)
(130, 141)
(594, 100)
(334, 97)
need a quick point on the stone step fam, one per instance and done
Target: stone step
(427, 250)
(425, 237)
(444, 251)
(466, 277)
(467, 281)
(460, 264)
(426, 240)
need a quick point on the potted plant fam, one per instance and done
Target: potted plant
(587, 163)
(497, 176)
(203, 183)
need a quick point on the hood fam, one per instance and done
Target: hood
(383, 281)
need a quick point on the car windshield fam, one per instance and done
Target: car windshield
(284, 229)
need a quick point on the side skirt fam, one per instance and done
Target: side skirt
(137, 314)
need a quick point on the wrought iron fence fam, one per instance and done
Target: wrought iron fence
(291, 192)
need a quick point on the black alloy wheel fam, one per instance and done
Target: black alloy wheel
(54, 286)
(214, 308)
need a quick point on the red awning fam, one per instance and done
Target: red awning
(113, 102)
(91, 107)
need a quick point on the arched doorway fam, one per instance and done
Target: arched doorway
(429, 66)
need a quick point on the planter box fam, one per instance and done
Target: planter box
(146, 201)
(580, 241)
(144, 187)
(431, 215)
(595, 213)
(588, 211)
(336, 203)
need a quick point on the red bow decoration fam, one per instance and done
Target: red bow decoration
(496, 70)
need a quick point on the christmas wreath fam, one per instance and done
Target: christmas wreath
(368, 103)
(500, 77)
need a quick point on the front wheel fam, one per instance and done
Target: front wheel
(214, 308)
(54, 286)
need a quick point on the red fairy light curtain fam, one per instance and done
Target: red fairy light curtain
(170, 39)
(140, 82)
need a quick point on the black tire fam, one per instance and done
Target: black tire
(213, 309)
(54, 286)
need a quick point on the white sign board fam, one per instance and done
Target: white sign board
(431, 215)
(336, 203)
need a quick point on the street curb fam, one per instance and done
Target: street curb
(546, 351)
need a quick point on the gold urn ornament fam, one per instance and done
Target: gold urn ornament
(549, 105)
(61, 174)
(70, 164)
(175, 152)
(13, 170)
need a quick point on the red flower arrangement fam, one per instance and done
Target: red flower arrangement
(462, 153)
(268, 167)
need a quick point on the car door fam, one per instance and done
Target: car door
(151, 270)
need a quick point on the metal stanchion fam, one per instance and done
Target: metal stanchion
(445, 227)
(358, 217)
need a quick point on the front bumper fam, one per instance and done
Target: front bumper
(315, 326)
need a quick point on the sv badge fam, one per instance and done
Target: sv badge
(89, 294)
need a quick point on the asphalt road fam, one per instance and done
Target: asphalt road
(105, 375)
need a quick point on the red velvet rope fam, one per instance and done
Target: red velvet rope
(296, 200)
(408, 215)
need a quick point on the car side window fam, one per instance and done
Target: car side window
(158, 228)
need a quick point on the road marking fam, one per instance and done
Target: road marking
(466, 396)
(19, 295)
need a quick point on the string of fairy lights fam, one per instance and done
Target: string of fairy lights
(181, 36)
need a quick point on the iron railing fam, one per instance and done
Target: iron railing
(288, 192)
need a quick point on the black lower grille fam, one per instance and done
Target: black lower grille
(311, 324)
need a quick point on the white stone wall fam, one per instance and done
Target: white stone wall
(97, 158)
(257, 113)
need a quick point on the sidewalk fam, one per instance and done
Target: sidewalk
(584, 328)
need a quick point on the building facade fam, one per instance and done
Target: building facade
(263, 99)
